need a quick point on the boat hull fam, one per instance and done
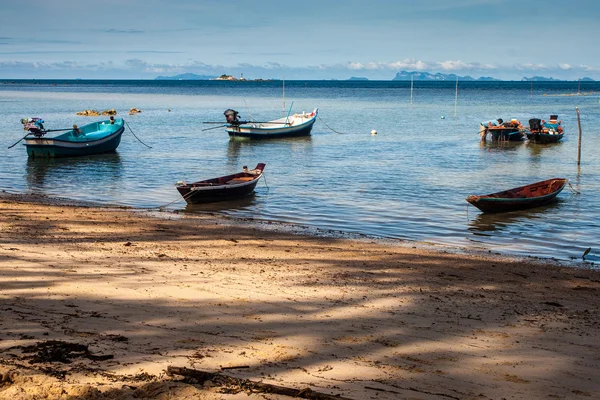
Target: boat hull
(544, 137)
(516, 199)
(249, 132)
(510, 135)
(218, 194)
(56, 147)
(222, 188)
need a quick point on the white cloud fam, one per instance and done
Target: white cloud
(589, 68)
(355, 66)
(418, 65)
(530, 66)
(395, 65)
(461, 66)
(565, 67)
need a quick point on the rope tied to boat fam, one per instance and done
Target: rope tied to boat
(333, 130)
(265, 180)
(136, 136)
(572, 188)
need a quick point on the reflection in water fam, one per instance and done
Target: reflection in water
(486, 224)
(536, 149)
(500, 145)
(238, 148)
(44, 173)
(224, 206)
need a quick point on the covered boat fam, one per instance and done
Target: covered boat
(502, 131)
(95, 138)
(221, 188)
(541, 131)
(532, 195)
(290, 126)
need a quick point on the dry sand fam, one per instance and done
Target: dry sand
(359, 319)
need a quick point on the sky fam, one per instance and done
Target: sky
(311, 39)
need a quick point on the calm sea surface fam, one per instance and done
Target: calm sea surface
(407, 182)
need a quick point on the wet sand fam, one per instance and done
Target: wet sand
(355, 318)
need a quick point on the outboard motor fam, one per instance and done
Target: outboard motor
(535, 124)
(34, 125)
(553, 117)
(232, 117)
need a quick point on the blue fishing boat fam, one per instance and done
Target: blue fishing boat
(95, 138)
(290, 126)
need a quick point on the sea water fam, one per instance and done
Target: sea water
(407, 182)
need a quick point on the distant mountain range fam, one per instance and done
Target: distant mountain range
(185, 77)
(400, 76)
(544, 79)
(426, 76)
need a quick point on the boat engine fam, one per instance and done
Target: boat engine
(34, 125)
(232, 117)
(535, 124)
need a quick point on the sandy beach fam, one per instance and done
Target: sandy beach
(354, 318)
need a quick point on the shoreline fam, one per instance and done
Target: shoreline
(162, 212)
(358, 318)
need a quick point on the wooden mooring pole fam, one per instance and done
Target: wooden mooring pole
(456, 98)
(579, 137)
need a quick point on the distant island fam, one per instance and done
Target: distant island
(226, 77)
(544, 79)
(195, 77)
(185, 77)
(426, 76)
(358, 78)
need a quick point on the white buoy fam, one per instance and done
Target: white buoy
(373, 132)
(443, 117)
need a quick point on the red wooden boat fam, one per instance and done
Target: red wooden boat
(528, 196)
(221, 188)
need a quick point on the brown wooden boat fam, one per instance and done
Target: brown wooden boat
(528, 196)
(221, 188)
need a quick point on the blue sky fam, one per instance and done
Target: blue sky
(311, 39)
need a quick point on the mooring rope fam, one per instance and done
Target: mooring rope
(572, 188)
(333, 130)
(136, 136)
(265, 179)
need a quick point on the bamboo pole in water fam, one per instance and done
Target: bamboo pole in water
(411, 89)
(531, 89)
(579, 137)
(456, 98)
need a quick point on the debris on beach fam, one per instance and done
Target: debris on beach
(232, 385)
(59, 351)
